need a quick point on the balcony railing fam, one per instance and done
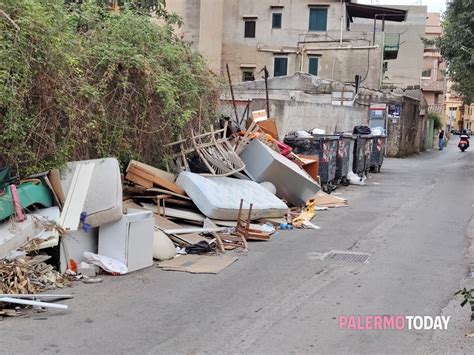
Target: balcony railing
(391, 46)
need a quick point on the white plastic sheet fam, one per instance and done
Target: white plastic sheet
(104, 262)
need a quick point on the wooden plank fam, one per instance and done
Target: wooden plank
(234, 223)
(76, 196)
(139, 180)
(55, 180)
(160, 177)
(154, 189)
(189, 239)
(177, 213)
(155, 171)
(141, 173)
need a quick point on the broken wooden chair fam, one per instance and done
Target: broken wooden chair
(243, 226)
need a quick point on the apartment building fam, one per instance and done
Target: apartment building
(288, 36)
(433, 79)
(453, 118)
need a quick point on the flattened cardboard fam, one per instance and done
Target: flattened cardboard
(323, 199)
(198, 264)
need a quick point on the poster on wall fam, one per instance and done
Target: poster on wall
(394, 111)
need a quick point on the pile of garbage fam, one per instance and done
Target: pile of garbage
(222, 189)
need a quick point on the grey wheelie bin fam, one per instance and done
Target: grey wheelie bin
(362, 153)
(325, 147)
(344, 157)
(377, 153)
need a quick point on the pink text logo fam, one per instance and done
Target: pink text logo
(385, 322)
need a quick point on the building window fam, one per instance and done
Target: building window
(250, 26)
(247, 75)
(318, 18)
(313, 65)
(276, 20)
(426, 73)
(280, 66)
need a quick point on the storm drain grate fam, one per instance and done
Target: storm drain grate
(347, 257)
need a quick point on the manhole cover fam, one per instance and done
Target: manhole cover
(347, 257)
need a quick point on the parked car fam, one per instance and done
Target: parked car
(455, 132)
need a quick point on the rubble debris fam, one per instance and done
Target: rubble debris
(28, 275)
(219, 197)
(92, 280)
(86, 269)
(198, 264)
(264, 164)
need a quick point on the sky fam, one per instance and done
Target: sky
(433, 5)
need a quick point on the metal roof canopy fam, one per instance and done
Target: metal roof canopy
(373, 12)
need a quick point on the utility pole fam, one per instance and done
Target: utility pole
(232, 93)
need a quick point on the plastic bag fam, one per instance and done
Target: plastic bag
(110, 265)
(355, 179)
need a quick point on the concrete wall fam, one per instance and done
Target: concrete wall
(295, 115)
(407, 135)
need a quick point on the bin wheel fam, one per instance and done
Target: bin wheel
(345, 181)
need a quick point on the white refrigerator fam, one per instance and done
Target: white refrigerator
(129, 240)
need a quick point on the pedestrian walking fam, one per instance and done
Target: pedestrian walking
(441, 140)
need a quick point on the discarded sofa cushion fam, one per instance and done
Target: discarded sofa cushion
(103, 202)
(163, 247)
(292, 183)
(219, 197)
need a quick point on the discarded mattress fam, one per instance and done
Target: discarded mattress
(103, 202)
(219, 197)
(264, 164)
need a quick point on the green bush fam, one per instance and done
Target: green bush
(79, 82)
(437, 120)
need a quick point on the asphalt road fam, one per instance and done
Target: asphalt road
(411, 218)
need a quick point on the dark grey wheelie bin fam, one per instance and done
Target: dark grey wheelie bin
(362, 153)
(377, 153)
(344, 157)
(325, 147)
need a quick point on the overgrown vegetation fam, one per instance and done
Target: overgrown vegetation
(457, 46)
(79, 82)
(467, 297)
(437, 124)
